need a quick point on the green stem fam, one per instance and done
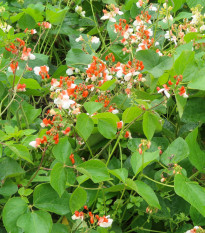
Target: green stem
(157, 182)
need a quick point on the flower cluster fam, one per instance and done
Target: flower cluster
(112, 13)
(95, 220)
(138, 34)
(181, 91)
(196, 229)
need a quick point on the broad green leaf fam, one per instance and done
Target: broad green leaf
(95, 169)
(151, 123)
(181, 102)
(25, 192)
(107, 85)
(136, 160)
(9, 168)
(183, 15)
(8, 188)
(13, 209)
(178, 4)
(92, 107)
(176, 151)
(153, 63)
(196, 155)
(26, 21)
(35, 222)
(54, 15)
(121, 174)
(192, 192)
(183, 62)
(62, 150)
(194, 111)
(107, 127)
(105, 115)
(199, 81)
(59, 228)
(61, 71)
(30, 83)
(196, 217)
(84, 126)
(58, 178)
(21, 151)
(36, 11)
(193, 3)
(76, 57)
(46, 198)
(131, 114)
(77, 199)
(145, 191)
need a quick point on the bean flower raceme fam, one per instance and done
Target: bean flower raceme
(42, 71)
(105, 221)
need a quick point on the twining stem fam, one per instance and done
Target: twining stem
(96, 23)
(35, 174)
(157, 182)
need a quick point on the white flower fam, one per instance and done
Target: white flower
(202, 28)
(80, 38)
(105, 221)
(152, 8)
(128, 77)
(32, 56)
(10, 70)
(69, 71)
(95, 40)
(163, 90)
(139, 3)
(157, 43)
(38, 69)
(33, 144)
(63, 101)
(115, 111)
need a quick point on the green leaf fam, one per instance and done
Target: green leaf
(176, 151)
(151, 122)
(36, 11)
(178, 4)
(62, 150)
(54, 15)
(92, 107)
(107, 85)
(183, 15)
(9, 168)
(192, 192)
(30, 83)
(131, 114)
(199, 81)
(136, 160)
(95, 169)
(196, 155)
(181, 102)
(145, 191)
(58, 178)
(76, 57)
(8, 188)
(77, 199)
(35, 222)
(46, 198)
(26, 21)
(59, 228)
(183, 62)
(153, 63)
(13, 209)
(192, 3)
(25, 192)
(194, 111)
(105, 115)
(121, 173)
(107, 127)
(84, 126)
(61, 71)
(196, 217)
(21, 151)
